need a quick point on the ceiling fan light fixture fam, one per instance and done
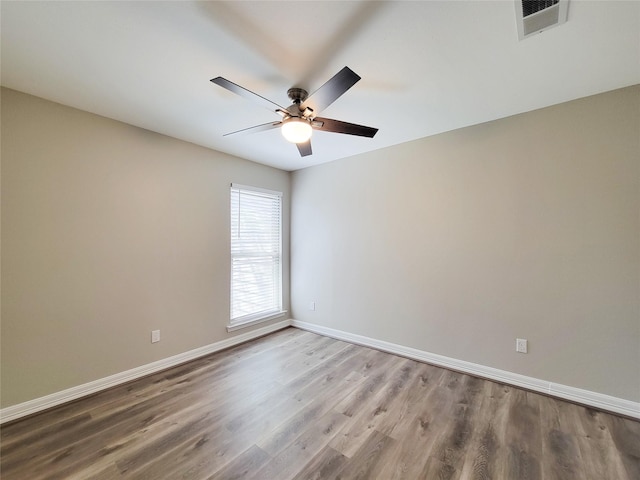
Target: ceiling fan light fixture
(296, 130)
(299, 120)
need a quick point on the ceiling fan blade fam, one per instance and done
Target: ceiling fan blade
(257, 128)
(304, 148)
(248, 94)
(336, 126)
(332, 90)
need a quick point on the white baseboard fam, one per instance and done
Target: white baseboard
(39, 404)
(584, 397)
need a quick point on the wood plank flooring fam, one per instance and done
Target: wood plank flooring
(295, 405)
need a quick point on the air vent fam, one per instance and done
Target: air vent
(535, 16)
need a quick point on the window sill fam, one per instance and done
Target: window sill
(255, 321)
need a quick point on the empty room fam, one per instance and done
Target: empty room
(276, 240)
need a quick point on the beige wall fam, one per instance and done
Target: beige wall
(459, 243)
(453, 244)
(109, 232)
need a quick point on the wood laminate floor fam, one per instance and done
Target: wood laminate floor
(295, 405)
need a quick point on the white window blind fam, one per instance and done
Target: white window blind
(256, 269)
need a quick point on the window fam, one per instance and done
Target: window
(256, 246)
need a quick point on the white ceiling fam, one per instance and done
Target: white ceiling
(426, 67)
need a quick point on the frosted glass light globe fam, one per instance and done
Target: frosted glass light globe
(296, 130)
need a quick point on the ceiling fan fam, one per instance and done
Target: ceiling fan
(299, 119)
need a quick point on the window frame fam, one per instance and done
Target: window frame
(263, 315)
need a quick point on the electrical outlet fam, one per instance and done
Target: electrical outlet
(312, 306)
(521, 345)
(155, 336)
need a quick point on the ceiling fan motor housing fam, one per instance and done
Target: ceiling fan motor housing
(298, 95)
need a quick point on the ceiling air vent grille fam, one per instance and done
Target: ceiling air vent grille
(529, 7)
(535, 16)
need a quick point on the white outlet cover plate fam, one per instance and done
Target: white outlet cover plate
(521, 345)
